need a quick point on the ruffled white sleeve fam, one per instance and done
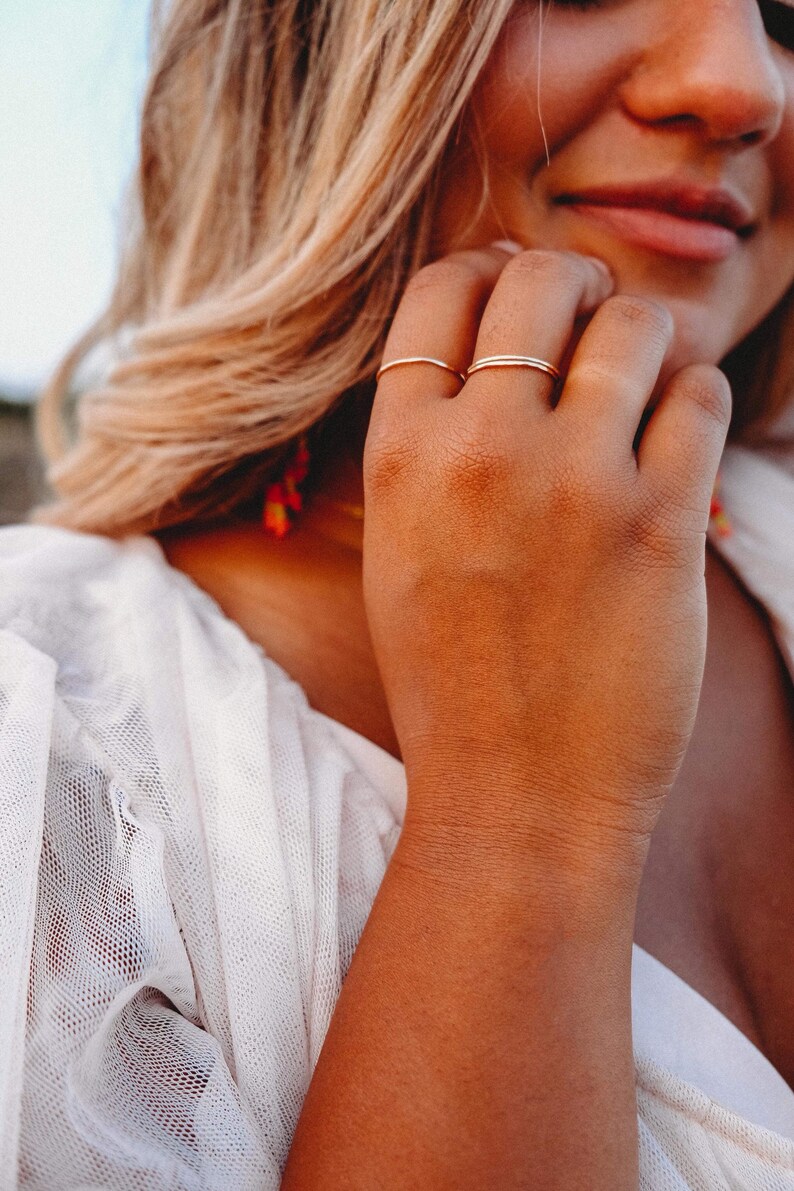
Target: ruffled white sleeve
(187, 859)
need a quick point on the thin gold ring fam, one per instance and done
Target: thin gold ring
(420, 360)
(514, 362)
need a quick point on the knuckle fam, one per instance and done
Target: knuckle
(654, 534)
(580, 493)
(642, 313)
(442, 276)
(475, 469)
(601, 373)
(562, 268)
(708, 389)
(666, 534)
(388, 460)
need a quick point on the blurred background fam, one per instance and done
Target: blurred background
(73, 73)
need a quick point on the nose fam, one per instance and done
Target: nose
(709, 67)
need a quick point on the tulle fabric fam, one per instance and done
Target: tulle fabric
(187, 858)
(188, 854)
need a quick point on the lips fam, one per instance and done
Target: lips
(684, 221)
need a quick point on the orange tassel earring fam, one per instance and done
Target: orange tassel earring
(717, 514)
(283, 498)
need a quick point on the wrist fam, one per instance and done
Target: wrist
(583, 880)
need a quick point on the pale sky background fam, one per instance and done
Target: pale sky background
(72, 73)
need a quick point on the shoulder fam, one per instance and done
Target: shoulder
(47, 605)
(89, 601)
(121, 630)
(50, 575)
(114, 649)
(145, 664)
(37, 552)
(116, 662)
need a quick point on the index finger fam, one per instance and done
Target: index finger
(438, 316)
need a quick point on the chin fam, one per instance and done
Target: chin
(697, 340)
(699, 336)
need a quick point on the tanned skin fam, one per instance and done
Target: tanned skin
(524, 622)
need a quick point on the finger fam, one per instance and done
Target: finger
(532, 312)
(438, 317)
(680, 451)
(615, 368)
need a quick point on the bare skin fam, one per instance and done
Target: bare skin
(550, 818)
(711, 906)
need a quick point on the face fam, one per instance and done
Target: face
(657, 135)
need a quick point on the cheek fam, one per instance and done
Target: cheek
(521, 96)
(783, 162)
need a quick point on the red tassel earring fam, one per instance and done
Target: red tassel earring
(717, 514)
(283, 498)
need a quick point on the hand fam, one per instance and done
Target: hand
(535, 587)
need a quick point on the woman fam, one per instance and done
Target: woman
(603, 193)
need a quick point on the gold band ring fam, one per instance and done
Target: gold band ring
(515, 362)
(420, 360)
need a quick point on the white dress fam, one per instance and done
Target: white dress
(188, 854)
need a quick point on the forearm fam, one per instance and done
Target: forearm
(482, 1038)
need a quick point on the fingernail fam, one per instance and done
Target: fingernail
(507, 246)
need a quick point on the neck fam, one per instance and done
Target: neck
(335, 511)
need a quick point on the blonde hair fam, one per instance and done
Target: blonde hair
(291, 155)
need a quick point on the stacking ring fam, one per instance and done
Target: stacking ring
(514, 362)
(477, 366)
(420, 360)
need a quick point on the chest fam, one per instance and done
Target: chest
(717, 899)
